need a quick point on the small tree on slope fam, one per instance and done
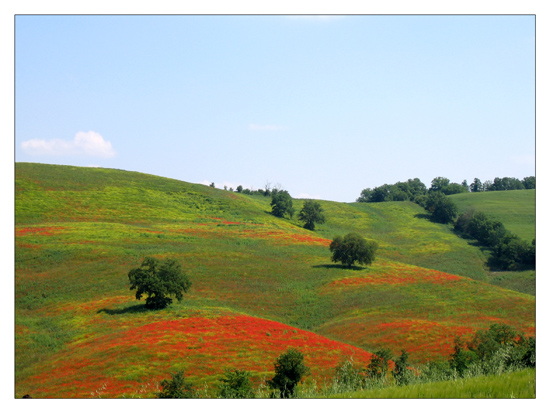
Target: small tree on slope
(159, 279)
(311, 214)
(353, 247)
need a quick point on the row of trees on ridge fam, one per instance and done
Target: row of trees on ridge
(508, 250)
(412, 189)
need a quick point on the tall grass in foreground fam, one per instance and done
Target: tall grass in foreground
(516, 385)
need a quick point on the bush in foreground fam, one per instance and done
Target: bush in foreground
(289, 371)
(176, 388)
(236, 385)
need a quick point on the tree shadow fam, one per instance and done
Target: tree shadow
(424, 216)
(133, 309)
(340, 266)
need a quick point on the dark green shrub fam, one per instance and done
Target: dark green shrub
(401, 372)
(379, 364)
(442, 208)
(289, 370)
(461, 358)
(176, 388)
(236, 385)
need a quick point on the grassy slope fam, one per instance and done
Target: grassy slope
(516, 385)
(516, 210)
(79, 231)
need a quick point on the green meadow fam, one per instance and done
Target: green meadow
(516, 385)
(515, 209)
(78, 231)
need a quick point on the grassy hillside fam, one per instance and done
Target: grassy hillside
(515, 209)
(78, 327)
(516, 385)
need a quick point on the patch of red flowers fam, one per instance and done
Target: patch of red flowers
(397, 277)
(37, 231)
(201, 346)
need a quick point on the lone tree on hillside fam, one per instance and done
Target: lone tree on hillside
(289, 370)
(281, 204)
(159, 279)
(311, 214)
(353, 247)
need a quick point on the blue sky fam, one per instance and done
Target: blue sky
(324, 106)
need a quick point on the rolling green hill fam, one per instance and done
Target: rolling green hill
(260, 284)
(515, 209)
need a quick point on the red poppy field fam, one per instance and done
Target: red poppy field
(260, 285)
(205, 347)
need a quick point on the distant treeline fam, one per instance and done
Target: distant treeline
(268, 191)
(412, 189)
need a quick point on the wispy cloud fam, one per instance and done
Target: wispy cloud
(257, 127)
(84, 143)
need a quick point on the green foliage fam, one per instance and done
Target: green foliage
(488, 232)
(444, 186)
(400, 191)
(514, 385)
(498, 349)
(529, 182)
(379, 365)
(476, 186)
(515, 209)
(438, 184)
(506, 184)
(401, 372)
(461, 358)
(289, 371)
(281, 204)
(438, 370)
(236, 385)
(159, 279)
(351, 248)
(509, 251)
(110, 219)
(176, 388)
(347, 377)
(442, 208)
(513, 253)
(486, 342)
(312, 213)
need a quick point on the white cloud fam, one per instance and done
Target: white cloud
(256, 127)
(84, 143)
